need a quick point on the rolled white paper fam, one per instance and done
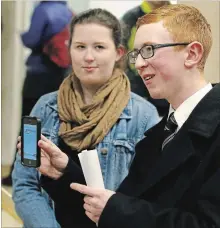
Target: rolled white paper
(91, 168)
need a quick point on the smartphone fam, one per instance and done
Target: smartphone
(30, 135)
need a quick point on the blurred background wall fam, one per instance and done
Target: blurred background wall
(211, 10)
(16, 18)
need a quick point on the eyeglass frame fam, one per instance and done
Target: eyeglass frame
(154, 46)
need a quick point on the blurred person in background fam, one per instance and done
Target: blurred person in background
(129, 20)
(93, 108)
(49, 61)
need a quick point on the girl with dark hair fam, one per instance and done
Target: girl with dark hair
(93, 108)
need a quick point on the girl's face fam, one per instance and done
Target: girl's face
(93, 54)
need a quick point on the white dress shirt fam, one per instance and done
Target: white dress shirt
(182, 113)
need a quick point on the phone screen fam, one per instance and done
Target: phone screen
(30, 142)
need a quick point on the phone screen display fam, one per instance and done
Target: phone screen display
(30, 142)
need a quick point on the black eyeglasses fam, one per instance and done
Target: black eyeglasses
(147, 51)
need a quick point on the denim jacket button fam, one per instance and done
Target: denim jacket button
(104, 151)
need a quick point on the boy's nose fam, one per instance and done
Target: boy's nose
(140, 62)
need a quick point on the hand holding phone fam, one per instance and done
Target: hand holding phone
(30, 135)
(53, 160)
(38, 151)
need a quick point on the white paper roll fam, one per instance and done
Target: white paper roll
(91, 168)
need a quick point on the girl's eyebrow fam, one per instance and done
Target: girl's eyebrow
(101, 42)
(77, 42)
(80, 42)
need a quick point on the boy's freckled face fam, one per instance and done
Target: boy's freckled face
(161, 73)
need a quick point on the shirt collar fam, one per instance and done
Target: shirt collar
(182, 113)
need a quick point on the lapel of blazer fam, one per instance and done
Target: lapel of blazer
(160, 164)
(155, 165)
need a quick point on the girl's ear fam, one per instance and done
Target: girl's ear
(120, 52)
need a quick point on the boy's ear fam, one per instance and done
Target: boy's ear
(194, 54)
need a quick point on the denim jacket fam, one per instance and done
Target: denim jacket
(115, 152)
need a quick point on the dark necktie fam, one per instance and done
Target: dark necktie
(169, 130)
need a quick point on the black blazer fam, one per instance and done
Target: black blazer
(176, 188)
(179, 188)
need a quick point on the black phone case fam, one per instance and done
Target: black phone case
(38, 138)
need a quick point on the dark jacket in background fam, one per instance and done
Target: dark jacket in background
(129, 20)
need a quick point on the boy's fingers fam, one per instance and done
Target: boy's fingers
(45, 139)
(48, 148)
(84, 189)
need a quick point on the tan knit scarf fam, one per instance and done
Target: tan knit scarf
(83, 126)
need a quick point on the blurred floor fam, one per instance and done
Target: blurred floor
(9, 221)
(9, 216)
